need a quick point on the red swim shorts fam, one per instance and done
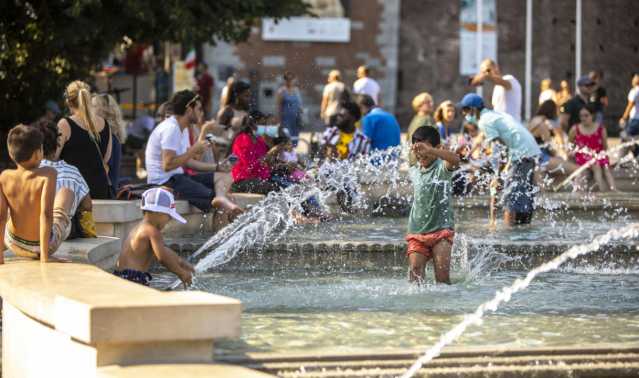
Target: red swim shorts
(424, 243)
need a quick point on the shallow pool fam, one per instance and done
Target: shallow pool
(314, 309)
(358, 312)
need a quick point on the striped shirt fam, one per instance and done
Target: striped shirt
(68, 177)
(360, 145)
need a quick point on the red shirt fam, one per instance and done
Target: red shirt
(250, 153)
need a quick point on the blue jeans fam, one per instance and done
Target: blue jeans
(197, 189)
(632, 129)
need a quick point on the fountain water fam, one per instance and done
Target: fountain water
(596, 157)
(272, 217)
(504, 295)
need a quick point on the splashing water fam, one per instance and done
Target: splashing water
(595, 158)
(504, 295)
(273, 216)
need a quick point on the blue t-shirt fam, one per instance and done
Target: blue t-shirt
(381, 128)
(520, 142)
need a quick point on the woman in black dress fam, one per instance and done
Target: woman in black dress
(86, 140)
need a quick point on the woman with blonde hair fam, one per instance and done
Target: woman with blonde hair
(85, 140)
(563, 95)
(109, 109)
(546, 92)
(423, 107)
(444, 116)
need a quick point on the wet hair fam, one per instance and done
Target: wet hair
(366, 101)
(50, 136)
(236, 89)
(107, 107)
(352, 108)
(23, 141)
(426, 134)
(548, 109)
(78, 96)
(182, 100)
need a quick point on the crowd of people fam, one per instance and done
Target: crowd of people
(189, 155)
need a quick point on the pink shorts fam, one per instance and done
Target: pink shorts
(424, 243)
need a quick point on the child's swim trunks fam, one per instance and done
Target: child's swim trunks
(133, 275)
(424, 243)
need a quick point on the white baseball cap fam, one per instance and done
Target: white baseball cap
(161, 201)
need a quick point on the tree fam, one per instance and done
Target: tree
(45, 44)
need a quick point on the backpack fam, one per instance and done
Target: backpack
(133, 191)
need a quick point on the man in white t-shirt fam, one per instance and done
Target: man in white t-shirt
(366, 85)
(507, 91)
(168, 151)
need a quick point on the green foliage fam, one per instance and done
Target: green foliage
(45, 44)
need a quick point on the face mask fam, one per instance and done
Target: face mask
(471, 118)
(268, 130)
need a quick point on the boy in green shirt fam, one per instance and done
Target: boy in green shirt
(430, 224)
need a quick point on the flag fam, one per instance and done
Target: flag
(190, 61)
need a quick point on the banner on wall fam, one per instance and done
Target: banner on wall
(468, 34)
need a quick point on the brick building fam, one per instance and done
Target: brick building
(413, 45)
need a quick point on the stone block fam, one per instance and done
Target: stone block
(80, 318)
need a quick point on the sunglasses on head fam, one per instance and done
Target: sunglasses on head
(195, 99)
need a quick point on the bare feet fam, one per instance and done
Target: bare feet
(228, 207)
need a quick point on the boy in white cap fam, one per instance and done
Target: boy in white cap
(145, 241)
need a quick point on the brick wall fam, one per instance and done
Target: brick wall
(429, 47)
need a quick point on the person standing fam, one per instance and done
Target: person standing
(507, 91)
(205, 84)
(630, 117)
(289, 106)
(379, 126)
(599, 96)
(546, 92)
(570, 110)
(523, 152)
(563, 95)
(366, 85)
(86, 141)
(423, 107)
(333, 93)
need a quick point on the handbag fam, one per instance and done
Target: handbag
(112, 193)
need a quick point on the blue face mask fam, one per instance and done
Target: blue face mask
(269, 130)
(471, 118)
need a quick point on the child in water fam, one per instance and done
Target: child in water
(146, 242)
(431, 224)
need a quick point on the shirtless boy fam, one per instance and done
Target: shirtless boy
(145, 241)
(27, 197)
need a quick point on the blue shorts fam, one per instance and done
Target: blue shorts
(197, 189)
(519, 187)
(133, 275)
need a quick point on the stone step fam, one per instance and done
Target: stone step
(604, 360)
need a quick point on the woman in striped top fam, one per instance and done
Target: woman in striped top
(71, 188)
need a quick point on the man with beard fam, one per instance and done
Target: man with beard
(168, 152)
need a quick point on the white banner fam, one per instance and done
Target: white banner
(307, 29)
(468, 35)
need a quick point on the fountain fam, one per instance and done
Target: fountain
(340, 287)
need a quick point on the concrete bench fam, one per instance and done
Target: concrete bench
(66, 319)
(117, 218)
